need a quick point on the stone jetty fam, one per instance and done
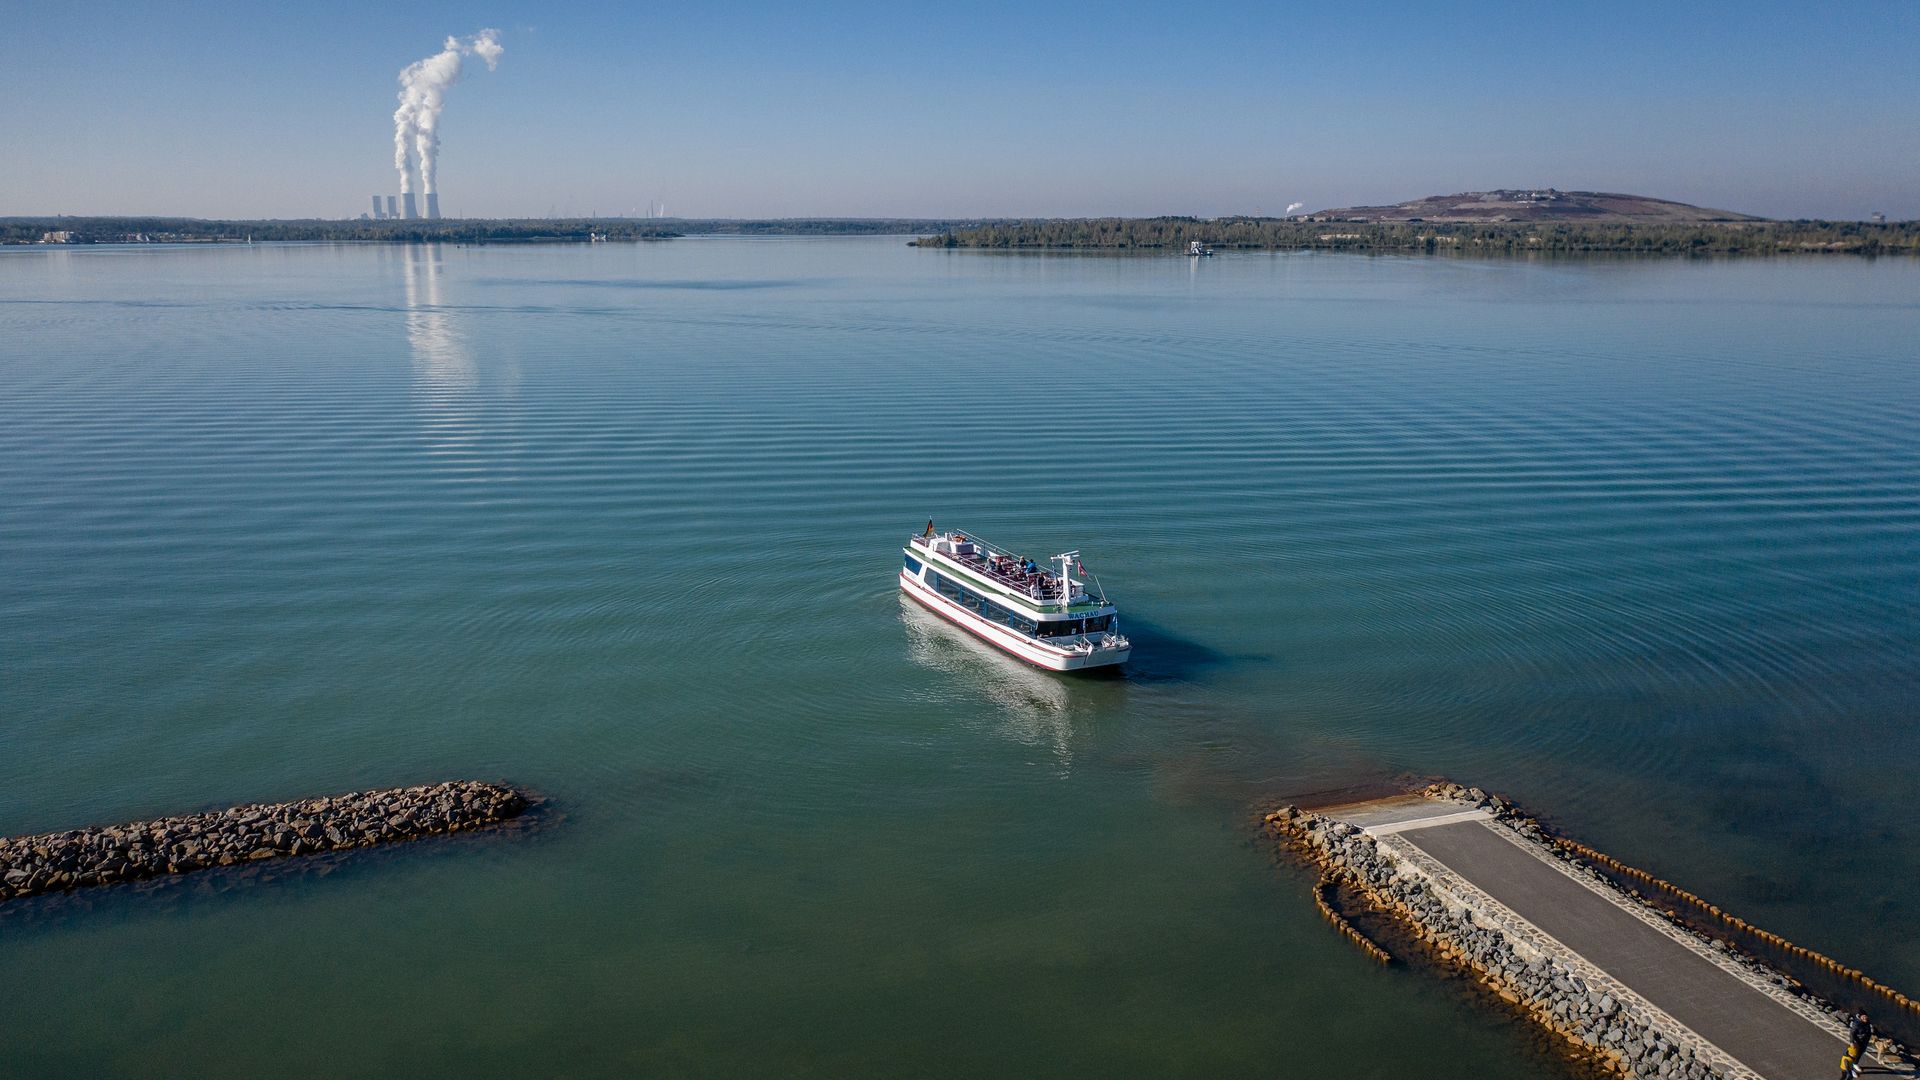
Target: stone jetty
(1486, 888)
(78, 858)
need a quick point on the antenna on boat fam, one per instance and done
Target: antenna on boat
(1066, 583)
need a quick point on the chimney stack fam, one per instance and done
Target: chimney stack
(433, 205)
(378, 213)
(393, 205)
(411, 209)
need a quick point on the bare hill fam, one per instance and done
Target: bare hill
(1536, 204)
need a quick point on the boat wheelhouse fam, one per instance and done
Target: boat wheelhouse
(1048, 619)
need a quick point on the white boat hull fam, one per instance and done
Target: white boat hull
(1005, 639)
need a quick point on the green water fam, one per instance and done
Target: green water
(1631, 541)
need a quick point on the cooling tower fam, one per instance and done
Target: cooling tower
(433, 205)
(377, 212)
(393, 207)
(412, 209)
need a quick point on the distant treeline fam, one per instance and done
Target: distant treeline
(1275, 234)
(825, 226)
(122, 230)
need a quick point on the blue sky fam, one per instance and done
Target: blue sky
(872, 109)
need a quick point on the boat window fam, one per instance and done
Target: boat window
(992, 610)
(913, 566)
(1099, 624)
(967, 598)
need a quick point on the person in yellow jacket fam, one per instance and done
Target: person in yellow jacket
(1859, 1033)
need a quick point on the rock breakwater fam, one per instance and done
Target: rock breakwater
(1597, 1015)
(81, 858)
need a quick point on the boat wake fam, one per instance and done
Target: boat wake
(1036, 708)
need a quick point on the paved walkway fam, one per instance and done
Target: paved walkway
(1758, 1027)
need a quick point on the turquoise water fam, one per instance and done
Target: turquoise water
(1631, 541)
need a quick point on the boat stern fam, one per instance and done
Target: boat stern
(1110, 652)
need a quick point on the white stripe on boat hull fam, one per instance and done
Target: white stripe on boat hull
(1005, 639)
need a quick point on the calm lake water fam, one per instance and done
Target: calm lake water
(1634, 542)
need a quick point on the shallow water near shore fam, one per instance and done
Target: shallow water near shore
(1632, 542)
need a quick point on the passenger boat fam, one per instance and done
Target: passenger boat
(1048, 619)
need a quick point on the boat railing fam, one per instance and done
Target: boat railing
(1039, 585)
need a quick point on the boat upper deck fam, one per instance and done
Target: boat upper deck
(1022, 576)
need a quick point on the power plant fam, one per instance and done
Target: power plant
(390, 211)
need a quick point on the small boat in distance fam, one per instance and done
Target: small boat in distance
(1199, 250)
(1050, 620)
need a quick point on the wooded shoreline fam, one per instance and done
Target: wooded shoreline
(1168, 235)
(1175, 234)
(169, 230)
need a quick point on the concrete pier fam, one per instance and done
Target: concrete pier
(1647, 997)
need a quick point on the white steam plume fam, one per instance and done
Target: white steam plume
(1291, 207)
(423, 93)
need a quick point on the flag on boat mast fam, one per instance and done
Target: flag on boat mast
(929, 531)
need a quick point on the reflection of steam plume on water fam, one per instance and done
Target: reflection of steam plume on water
(1037, 706)
(443, 371)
